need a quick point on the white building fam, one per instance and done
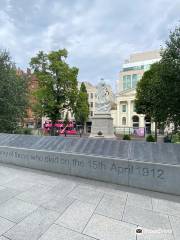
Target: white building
(132, 70)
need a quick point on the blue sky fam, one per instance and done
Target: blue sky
(98, 34)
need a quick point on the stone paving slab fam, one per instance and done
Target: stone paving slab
(165, 206)
(76, 216)
(15, 210)
(63, 207)
(145, 218)
(5, 225)
(56, 232)
(156, 236)
(141, 201)
(20, 184)
(87, 194)
(105, 228)
(175, 223)
(33, 226)
(7, 193)
(36, 195)
(3, 238)
(111, 206)
(59, 204)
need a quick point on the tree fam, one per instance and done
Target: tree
(82, 106)
(150, 96)
(57, 84)
(13, 94)
(170, 76)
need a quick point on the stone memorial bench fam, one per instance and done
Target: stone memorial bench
(137, 164)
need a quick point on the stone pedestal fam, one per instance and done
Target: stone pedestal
(102, 122)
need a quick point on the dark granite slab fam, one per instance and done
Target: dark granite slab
(165, 153)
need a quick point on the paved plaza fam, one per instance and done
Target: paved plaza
(46, 206)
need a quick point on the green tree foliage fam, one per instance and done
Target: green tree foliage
(150, 96)
(57, 84)
(13, 94)
(171, 75)
(158, 92)
(82, 106)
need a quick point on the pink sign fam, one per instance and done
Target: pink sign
(139, 132)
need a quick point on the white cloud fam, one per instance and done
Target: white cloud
(99, 34)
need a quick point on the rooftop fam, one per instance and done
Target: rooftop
(41, 205)
(143, 56)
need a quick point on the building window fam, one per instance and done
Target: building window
(91, 113)
(134, 80)
(123, 121)
(135, 120)
(126, 82)
(92, 104)
(134, 107)
(124, 108)
(91, 95)
(128, 79)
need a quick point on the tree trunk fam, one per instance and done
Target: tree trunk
(155, 131)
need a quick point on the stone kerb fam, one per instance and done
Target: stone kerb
(144, 165)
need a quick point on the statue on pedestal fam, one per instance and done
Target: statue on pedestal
(103, 104)
(102, 122)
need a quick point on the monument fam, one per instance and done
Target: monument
(151, 166)
(102, 122)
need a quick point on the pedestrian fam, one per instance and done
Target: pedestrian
(80, 132)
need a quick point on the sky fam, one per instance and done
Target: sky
(98, 34)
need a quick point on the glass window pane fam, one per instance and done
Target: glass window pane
(134, 80)
(128, 77)
(123, 108)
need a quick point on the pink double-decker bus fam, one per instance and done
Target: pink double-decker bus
(60, 127)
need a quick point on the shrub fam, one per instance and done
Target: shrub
(99, 133)
(176, 138)
(150, 138)
(26, 131)
(126, 137)
(167, 139)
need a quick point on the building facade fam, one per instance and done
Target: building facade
(30, 121)
(132, 71)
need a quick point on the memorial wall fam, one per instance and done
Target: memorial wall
(137, 164)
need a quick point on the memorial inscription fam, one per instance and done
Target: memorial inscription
(136, 164)
(91, 164)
